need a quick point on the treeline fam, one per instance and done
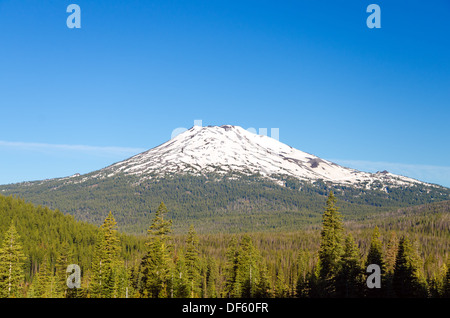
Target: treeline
(328, 262)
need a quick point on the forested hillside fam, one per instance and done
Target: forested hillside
(410, 244)
(213, 203)
(46, 234)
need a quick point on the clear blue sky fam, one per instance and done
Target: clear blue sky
(76, 100)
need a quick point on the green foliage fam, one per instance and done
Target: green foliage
(252, 264)
(214, 203)
(349, 280)
(331, 246)
(210, 279)
(157, 263)
(11, 264)
(106, 267)
(408, 278)
(193, 263)
(245, 270)
(375, 256)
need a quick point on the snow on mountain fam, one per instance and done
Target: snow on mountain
(224, 149)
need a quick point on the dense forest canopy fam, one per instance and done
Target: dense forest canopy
(411, 244)
(214, 203)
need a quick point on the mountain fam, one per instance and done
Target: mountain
(224, 178)
(232, 149)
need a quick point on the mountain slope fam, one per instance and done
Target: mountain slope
(225, 179)
(230, 149)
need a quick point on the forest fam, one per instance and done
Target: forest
(214, 203)
(328, 259)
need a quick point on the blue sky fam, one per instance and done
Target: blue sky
(76, 100)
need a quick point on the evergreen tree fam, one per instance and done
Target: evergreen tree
(247, 270)
(106, 260)
(12, 261)
(375, 256)
(302, 270)
(280, 289)
(193, 263)
(83, 291)
(389, 266)
(232, 288)
(120, 289)
(180, 281)
(331, 247)
(408, 280)
(211, 278)
(245, 273)
(156, 264)
(160, 227)
(62, 261)
(350, 276)
(263, 288)
(437, 283)
(43, 280)
(391, 253)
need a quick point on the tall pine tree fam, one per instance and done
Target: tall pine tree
(389, 266)
(44, 280)
(331, 247)
(247, 270)
(232, 288)
(156, 265)
(62, 261)
(193, 263)
(211, 278)
(106, 260)
(375, 256)
(349, 281)
(408, 280)
(12, 261)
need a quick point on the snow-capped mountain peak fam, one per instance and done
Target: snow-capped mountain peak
(232, 149)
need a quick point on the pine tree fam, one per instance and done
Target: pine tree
(211, 278)
(247, 270)
(12, 261)
(62, 261)
(43, 280)
(180, 281)
(280, 289)
(120, 282)
(408, 280)
(389, 266)
(106, 260)
(437, 282)
(231, 285)
(350, 276)
(156, 265)
(375, 256)
(391, 253)
(263, 288)
(331, 247)
(160, 227)
(193, 262)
